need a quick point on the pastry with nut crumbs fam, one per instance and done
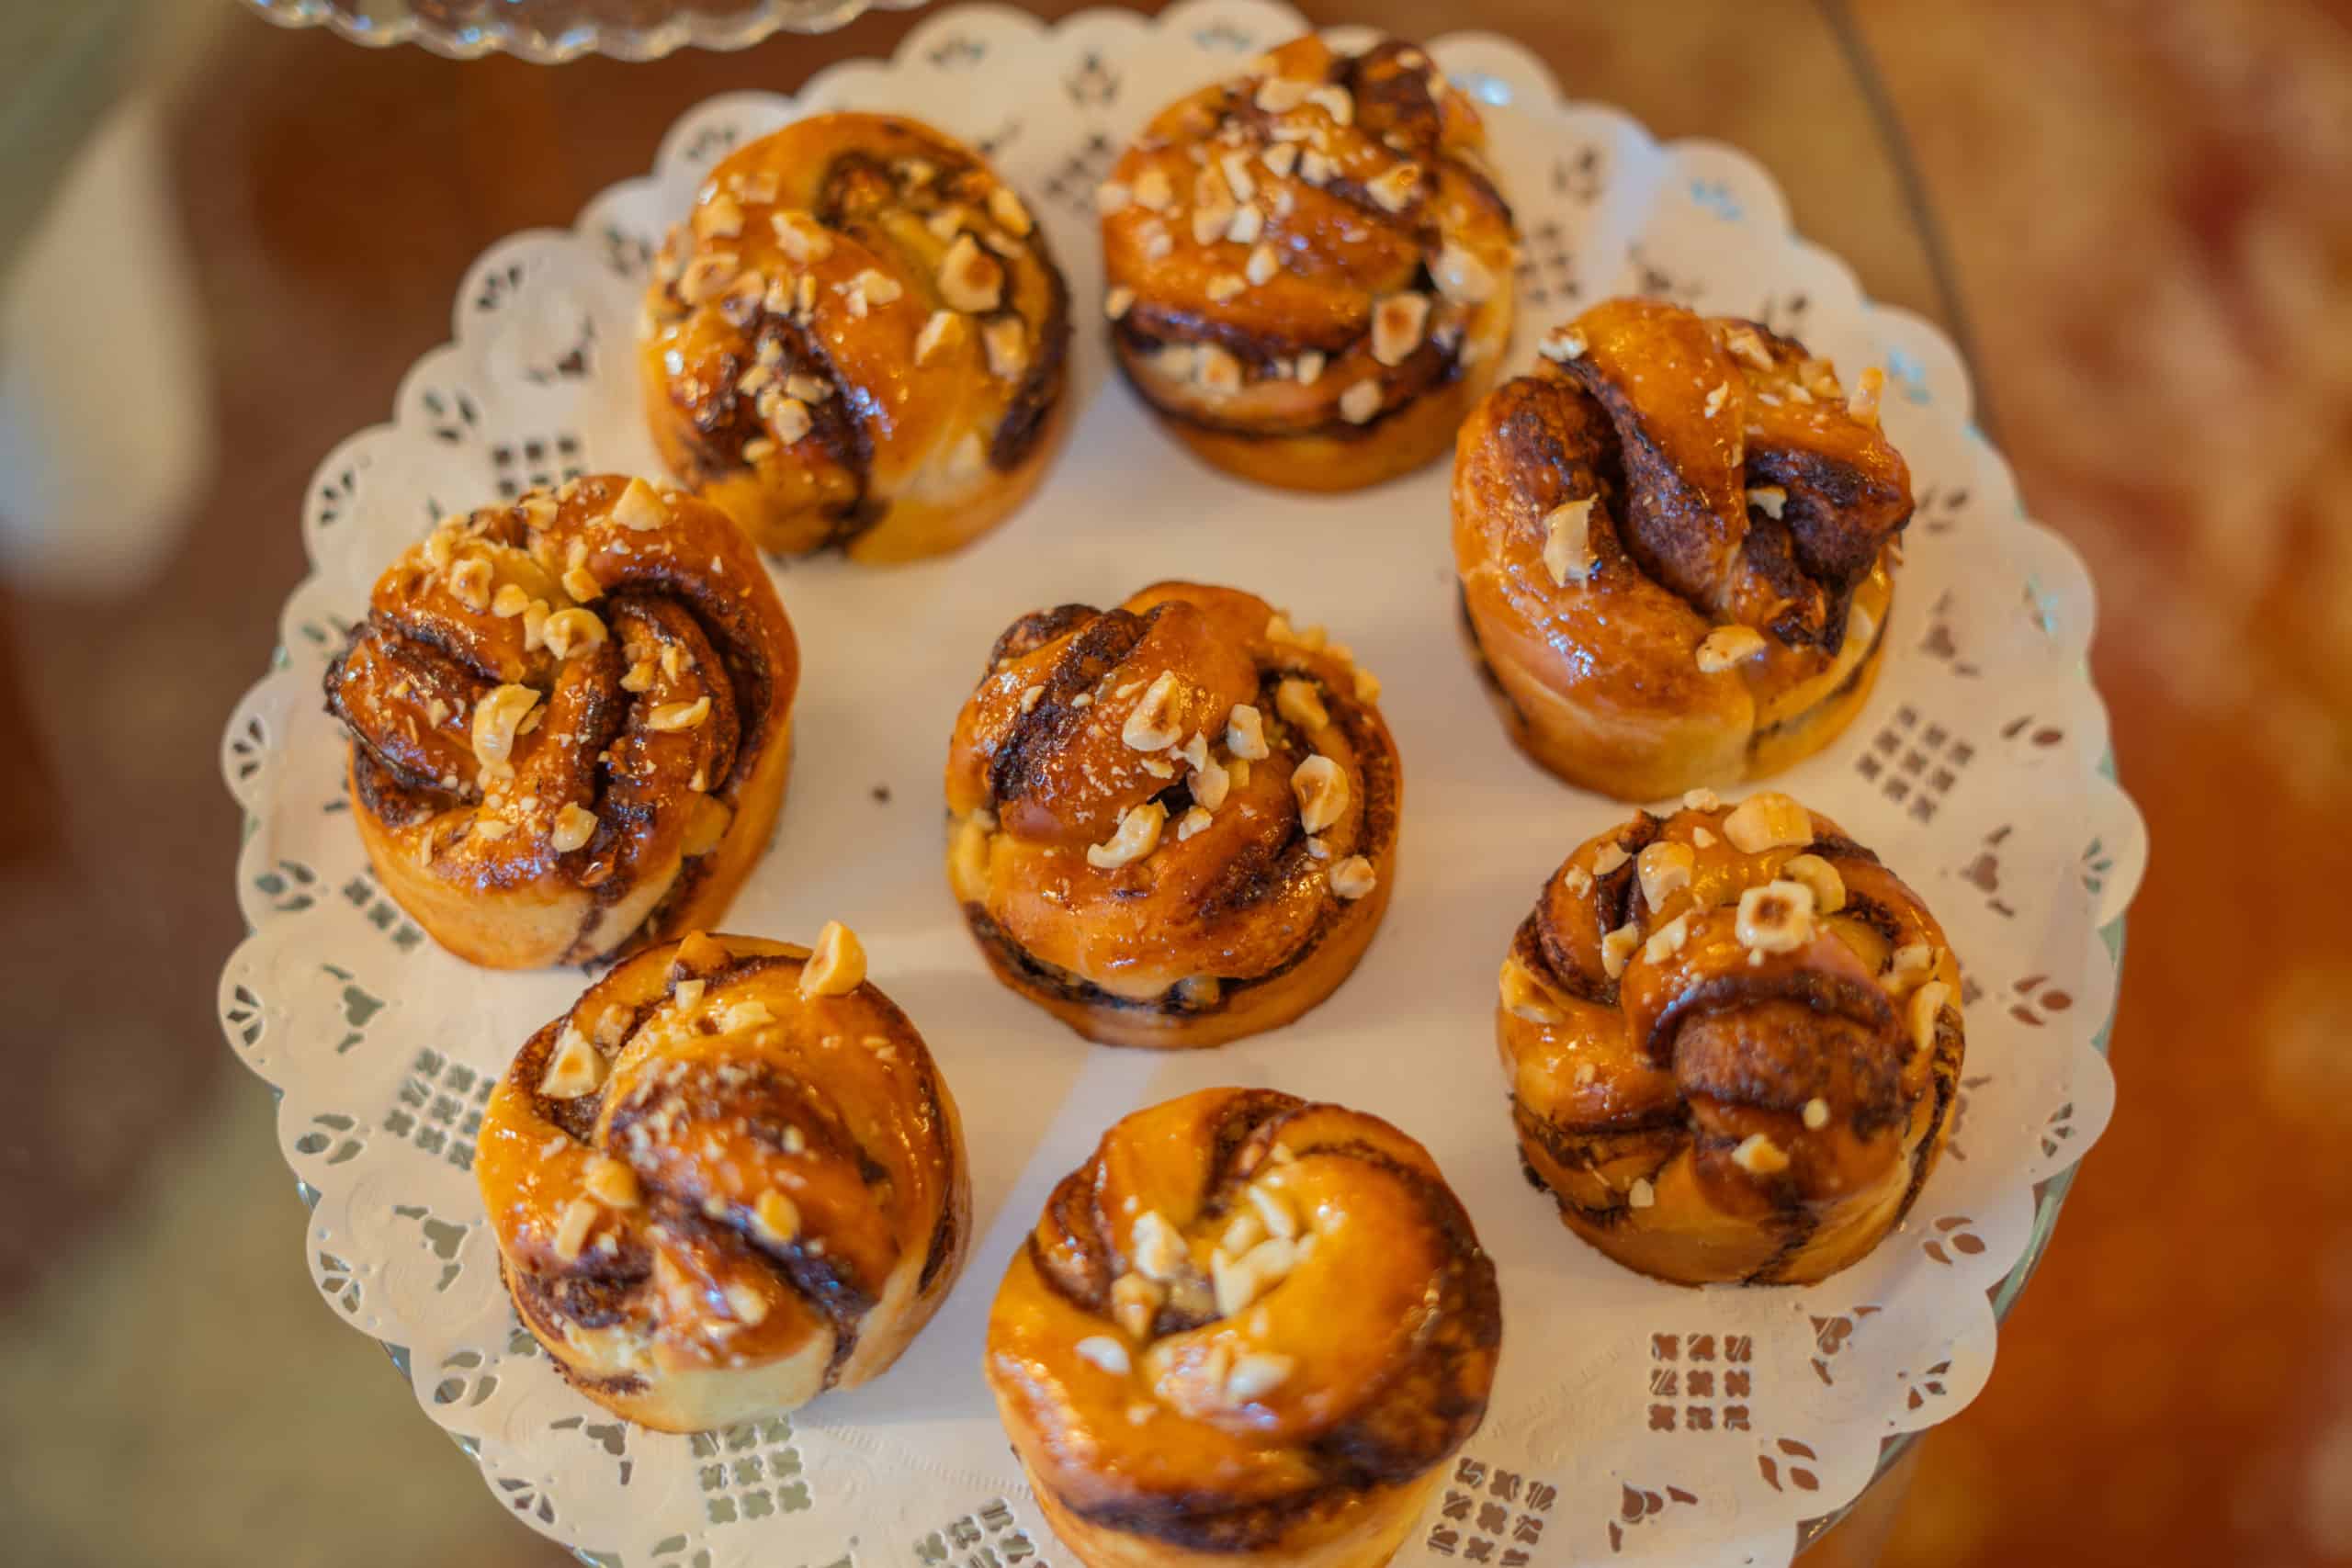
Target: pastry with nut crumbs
(1309, 268)
(1249, 1331)
(1172, 823)
(570, 722)
(857, 340)
(729, 1178)
(1733, 1038)
(1675, 542)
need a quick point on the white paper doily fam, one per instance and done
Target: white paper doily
(1632, 1420)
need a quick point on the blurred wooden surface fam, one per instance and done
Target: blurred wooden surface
(2152, 216)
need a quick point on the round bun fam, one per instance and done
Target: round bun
(728, 1179)
(1732, 1039)
(1249, 1331)
(1310, 268)
(857, 340)
(570, 722)
(1674, 542)
(1172, 823)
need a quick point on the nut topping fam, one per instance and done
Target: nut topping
(574, 1069)
(1322, 792)
(837, 966)
(498, 718)
(574, 826)
(1153, 725)
(1106, 1353)
(776, 1219)
(567, 632)
(1567, 542)
(1728, 646)
(1399, 322)
(1829, 887)
(1767, 821)
(1138, 835)
(969, 278)
(1298, 702)
(1522, 997)
(1352, 878)
(1760, 1156)
(1664, 869)
(1244, 733)
(1617, 949)
(1775, 918)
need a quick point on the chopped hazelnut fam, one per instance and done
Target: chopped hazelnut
(574, 826)
(1462, 277)
(1829, 887)
(969, 278)
(1766, 821)
(1668, 940)
(1156, 1250)
(1007, 342)
(1244, 733)
(1255, 1375)
(639, 508)
(1562, 344)
(1399, 324)
(1727, 646)
(1360, 403)
(498, 718)
(1617, 949)
(1926, 1008)
(1760, 1156)
(567, 632)
(612, 1183)
(1153, 191)
(1352, 878)
(1322, 793)
(1298, 702)
(1567, 542)
(1770, 500)
(1106, 1353)
(470, 582)
(678, 715)
(1155, 723)
(776, 1219)
(1395, 189)
(572, 1231)
(575, 1068)
(942, 327)
(1816, 1113)
(1775, 918)
(1006, 208)
(1522, 997)
(1138, 835)
(1609, 857)
(1664, 869)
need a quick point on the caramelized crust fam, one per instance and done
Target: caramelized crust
(857, 340)
(1733, 1038)
(723, 1183)
(1250, 1329)
(1173, 822)
(1674, 543)
(1310, 268)
(569, 720)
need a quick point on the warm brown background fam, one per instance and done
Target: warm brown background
(2150, 208)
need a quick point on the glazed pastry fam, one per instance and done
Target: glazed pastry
(1310, 268)
(857, 340)
(1674, 542)
(1248, 1333)
(570, 722)
(728, 1179)
(1732, 1039)
(1172, 823)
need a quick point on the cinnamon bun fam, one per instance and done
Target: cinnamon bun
(1675, 544)
(1249, 1332)
(1172, 823)
(858, 339)
(1732, 1039)
(570, 721)
(1310, 268)
(729, 1178)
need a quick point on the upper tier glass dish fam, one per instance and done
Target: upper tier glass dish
(551, 31)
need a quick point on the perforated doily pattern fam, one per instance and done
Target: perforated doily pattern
(1633, 1420)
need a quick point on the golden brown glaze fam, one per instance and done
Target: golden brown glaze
(1250, 1330)
(1674, 543)
(1172, 823)
(1733, 1038)
(729, 1178)
(1310, 268)
(570, 722)
(858, 339)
